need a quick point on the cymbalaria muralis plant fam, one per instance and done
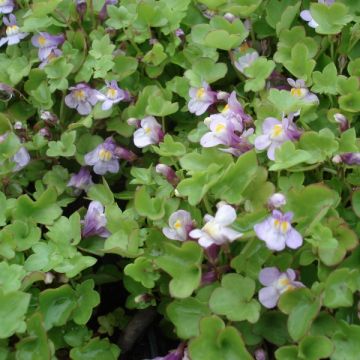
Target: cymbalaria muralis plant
(179, 179)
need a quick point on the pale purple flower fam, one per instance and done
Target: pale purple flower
(149, 133)
(180, 225)
(201, 98)
(306, 14)
(168, 173)
(21, 159)
(82, 180)
(6, 6)
(245, 61)
(82, 97)
(234, 111)
(95, 221)
(276, 283)
(277, 232)
(103, 158)
(216, 229)
(275, 133)
(19, 125)
(103, 12)
(342, 121)
(113, 95)
(300, 91)
(46, 43)
(277, 200)
(54, 53)
(349, 158)
(13, 33)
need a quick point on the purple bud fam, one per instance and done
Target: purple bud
(45, 132)
(82, 180)
(49, 117)
(7, 90)
(230, 17)
(125, 154)
(179, 32)
(168, 173)
(276, 201)
(95, 221)
(49, 278)
(350, 158)
(260, 354)
(208, 277)
(18, 125)
(153, 41)
(222, 95)
(342, 121)
(134, 122)
(81, 7)
(103, 12)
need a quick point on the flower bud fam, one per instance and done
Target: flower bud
(230, 17)
(49, 278)
(276, 200)
(342, 121)
(168, 173)
(222, 95)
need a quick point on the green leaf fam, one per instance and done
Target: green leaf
(57, 305)
(234, 299)
(346, 342)
(25, 233)
(355, 201)
(102, 47)
(10, 277)
(158, 106)
(13, 308)
(284, 101)
(142, 270)
(231, 186)
(186, 314)
(96, 349)
(325, 82)
(287, 17)
(350, 102)
(169, 147)
(44, 210)
(258, 72)
(287, 156)
(101, 193)
(124, 66)
(65, 147)
(183, 265)
(153, 208)
(87, 298)
(330, 18)
(217, 342)
(315, 347)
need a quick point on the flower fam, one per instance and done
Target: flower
(300, 91)
(276, 283)
(245, 61)
(275, 133)
(277, 200)
(103, 158)
(103, 12)
(234, 110)
(81, 7)
(180, 225)
(306, 14)
(150, 132)
(277, 232)
(81, 98)
(125, 154)
(13, 33)
(54, 53)
(46, 43)
(7, 91)
(349, 158)
(342, 121)
(201, 98)
(21, 159)
(95, 221)
(82, 180)
(6, 6)
(112, 96)
(168, 173)
(217, 230)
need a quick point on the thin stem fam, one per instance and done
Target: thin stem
(207, 205)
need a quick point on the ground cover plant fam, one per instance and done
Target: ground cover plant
(179, 179)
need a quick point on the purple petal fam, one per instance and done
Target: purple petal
(70, 101)
(294, 240)
(209, 140)
(268, 297)
(84, 108)
(306, 15)
(262, 142)
(269, 275)
(196, 233)
(225, 215)
(231, 234)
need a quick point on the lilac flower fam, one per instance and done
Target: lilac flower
(54, 53)
(245, 61)
(342, 121)
(350, 158)
(180, 225)
(300, 91)
(112, 96)
(150, 132)
(234, 110)
(6, 6)
(306, 14)
(277, 232)
(201, 99)
(13, 33)
(81, 98)
(95, 221)
(103, 12)
(81, 181)
(275, 133)
(168, 173)
(217, 230)
(277, 200)
(21, 159)
(103, 158)
(276, 283)
(46, 43)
